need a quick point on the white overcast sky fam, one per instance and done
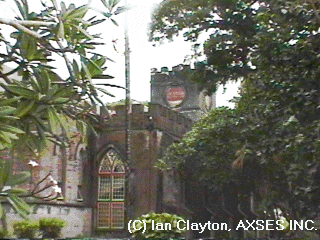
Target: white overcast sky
(143, 55)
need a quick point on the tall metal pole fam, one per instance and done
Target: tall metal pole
(127, 76)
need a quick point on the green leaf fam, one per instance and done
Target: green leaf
(9, 101)
(18, 178)
(97, 22)
(55, 78)
(23, 92)
(113, 3)
(5, 170)
(94, 65)
(86, 71)
(43, 80)
(84, 22)
(102, 76)
(54, 120)
(63, 7)
(114, 22)
(6, 110)
(24, 11)
(60, 100)
(105, 3)
(28, 46)
(76, 69)
(79, 12)
(40, 122)
(19, 205)
(18, 191)
(35, 84)
(8, 128)
(83, 31)
(61, 30)
(6, 138)
(10, 118)
(105, 92)
(25, 108)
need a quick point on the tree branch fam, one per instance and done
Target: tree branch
(5, 77)
(20, 24)
(49, 47)
(68, 63)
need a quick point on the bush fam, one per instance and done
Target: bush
(151, 231)
(51, 227)
(3, 233)
(25, 229)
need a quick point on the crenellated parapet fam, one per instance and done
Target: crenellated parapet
(154, 116)
(175, 75)
(174, 89)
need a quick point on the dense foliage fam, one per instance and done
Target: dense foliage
(269, 144)
(51, 227)
(11, 190)
(25, 229)
(36, 105)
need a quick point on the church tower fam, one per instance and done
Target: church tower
(174, 90)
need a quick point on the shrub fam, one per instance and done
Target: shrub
(51, 227)
(151, 231)
(25, 229)
(3, 233)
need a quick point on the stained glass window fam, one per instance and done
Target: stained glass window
(111, 192)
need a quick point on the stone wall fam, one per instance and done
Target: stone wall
(68, 206)
(154, 116)
(78, 218)
(196, 101)
(154, 128)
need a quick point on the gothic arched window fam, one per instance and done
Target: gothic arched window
(111, 191)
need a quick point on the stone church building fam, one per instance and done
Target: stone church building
(101, 189)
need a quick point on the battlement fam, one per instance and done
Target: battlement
(177, 75)
(165, 71)
(176, 69)
(154, 116)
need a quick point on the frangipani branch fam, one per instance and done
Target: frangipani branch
(39, 192)
(21, 25)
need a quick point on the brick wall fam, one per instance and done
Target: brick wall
(153, 128)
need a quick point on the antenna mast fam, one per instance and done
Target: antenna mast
(127, 76)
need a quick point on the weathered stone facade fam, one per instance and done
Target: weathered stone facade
(78, 217)
(76, 168)
(68, 171)
(191, 103)
(153, 129)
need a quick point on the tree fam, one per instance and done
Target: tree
(42, 94)
(237, 29)
(273, 48)
(41, 104)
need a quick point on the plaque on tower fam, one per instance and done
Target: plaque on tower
(175, 90)
(175, 96)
